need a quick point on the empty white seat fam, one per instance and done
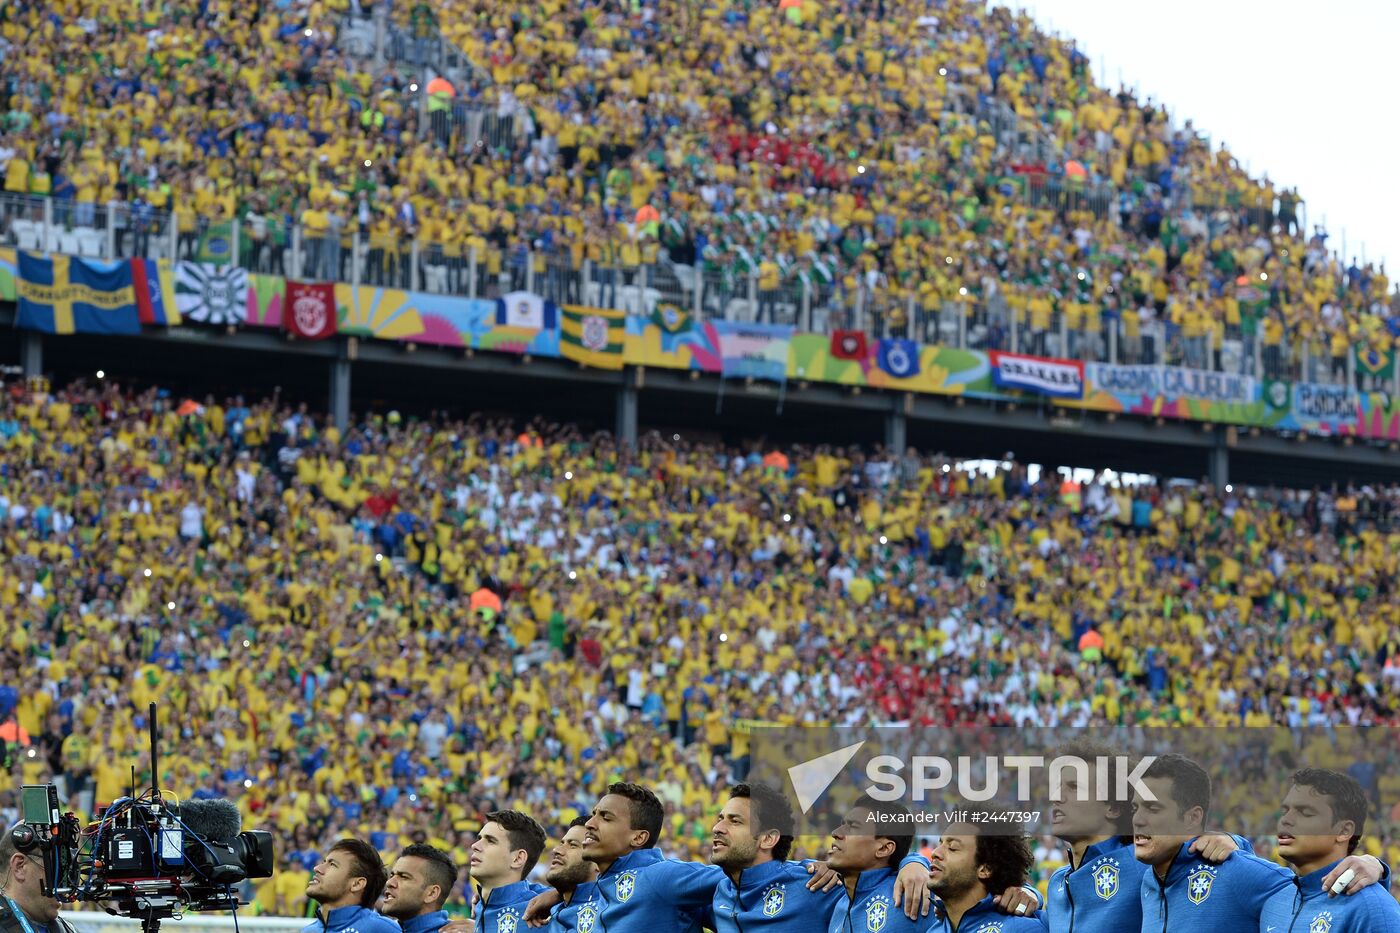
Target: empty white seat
(26, 233)
(90, 241)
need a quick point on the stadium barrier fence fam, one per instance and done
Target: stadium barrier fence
(968, 320)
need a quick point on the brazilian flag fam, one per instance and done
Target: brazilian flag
(670, 317)
(1373, 362)
(216, 244)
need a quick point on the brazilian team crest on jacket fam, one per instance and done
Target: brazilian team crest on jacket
(1322, 923)
(876, 913)
(1106, 879)
(1198, 884)
(773, 901)
(626, 885)
(506, 923)
(587, 918)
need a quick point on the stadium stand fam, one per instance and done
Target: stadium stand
(347, 604)
(948, 172)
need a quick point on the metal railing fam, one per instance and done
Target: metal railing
(275, 244)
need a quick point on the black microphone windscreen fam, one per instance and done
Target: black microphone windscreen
(216, 820)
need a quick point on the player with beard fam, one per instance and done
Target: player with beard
(968, 865)
(573, 876)
(345, 884)
(419, 884)
(761, 890)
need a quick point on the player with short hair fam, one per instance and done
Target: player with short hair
(760, 889)
(505, 852)
(1183, 890)
(1323, 816)
(419, 884)
(573, 877)
(346, 883)
(866, 848)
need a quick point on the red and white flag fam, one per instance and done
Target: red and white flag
(309, 310)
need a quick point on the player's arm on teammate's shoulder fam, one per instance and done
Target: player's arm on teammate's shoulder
(911, 890)
(1024, 901)
(1217, 846)
(1365, 871)
(537, 911)
(689, 885)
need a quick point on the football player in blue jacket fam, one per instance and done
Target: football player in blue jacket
(345, 884)
(968, 865)
(419, 884)
(1321, 823)
(573, 876)
(1183, 891)
(762, 892)
(866, 849)
(506, 850)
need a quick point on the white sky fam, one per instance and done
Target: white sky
(1305, 92)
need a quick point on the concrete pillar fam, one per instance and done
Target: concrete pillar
(627, 412)
(896, 427)
(340, 389)
(1220, 459)
(31, 352)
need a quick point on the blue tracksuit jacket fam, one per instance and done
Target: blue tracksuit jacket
(425, 923)
(1099, 895)
(580, 914)
(643, 892)
(871, 909)
(1304, 907)
(354, 919)
(986, 917)
(773, 898)
(503, 910)
(1197, 895)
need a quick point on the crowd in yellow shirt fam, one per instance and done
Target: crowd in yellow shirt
(886, 154)
(325, 619)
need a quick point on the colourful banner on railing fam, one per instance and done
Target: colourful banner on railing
(210, 294)
(1061, 379)
(670, 338)
(1172, 392)
(753, 351)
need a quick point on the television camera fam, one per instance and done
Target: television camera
(144, 856)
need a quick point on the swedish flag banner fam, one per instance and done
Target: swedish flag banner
(66, 295)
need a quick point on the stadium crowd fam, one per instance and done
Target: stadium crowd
(324, 616)
(889, 149)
